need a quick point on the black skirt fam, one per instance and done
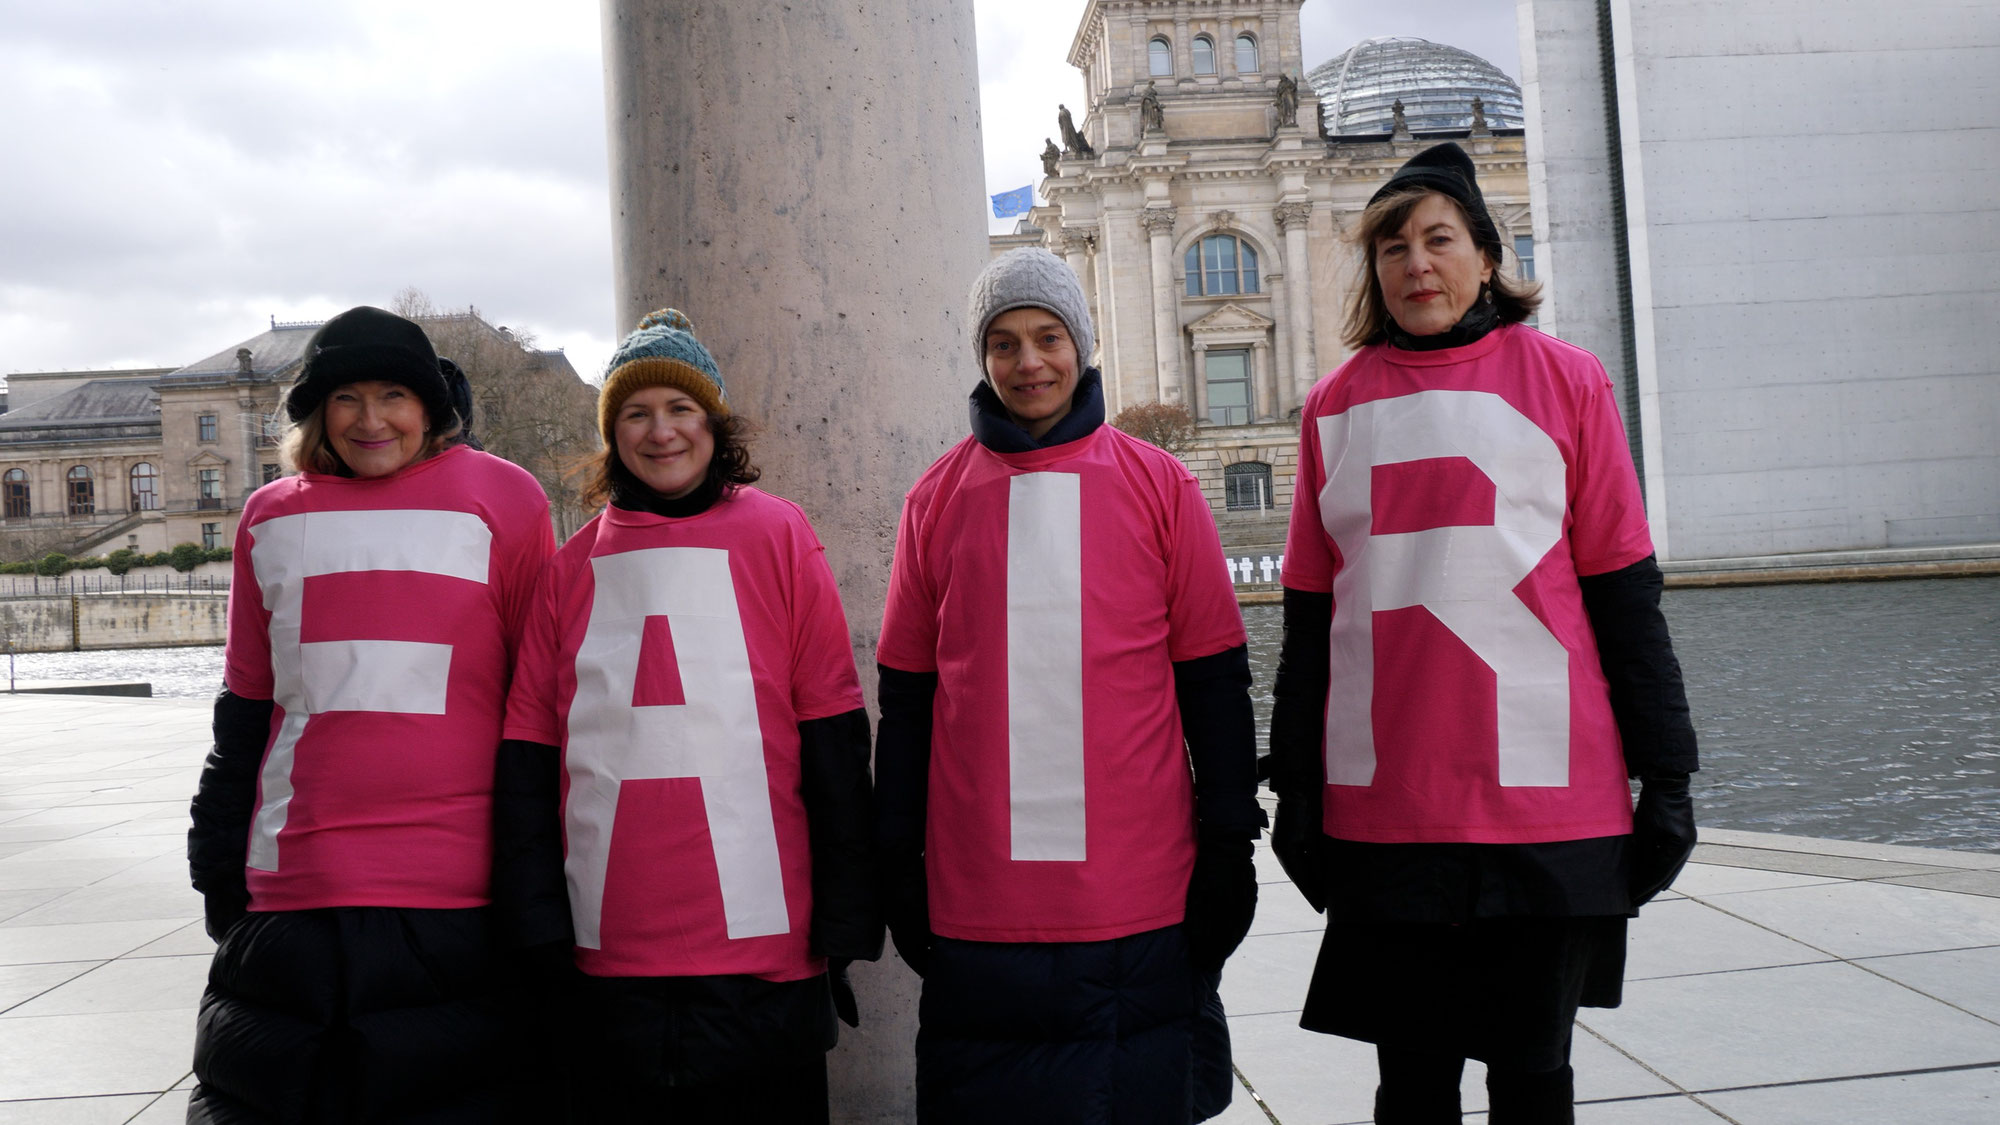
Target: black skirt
(1501, 990)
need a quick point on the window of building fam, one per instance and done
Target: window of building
(1221, 265)
(209, 426)
(1246, 487)
(18, 500)
(211, 536)
(272, 472)
(1246, 54)
(1160, 58)
(1204, 55)
(1524, 252)
(1229, 387)
(82, 492)
(145, 487)
(210, 483)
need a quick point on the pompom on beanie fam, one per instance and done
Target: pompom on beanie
(1447, 169)
(1030, 277)
(364, 344)
(661, 352)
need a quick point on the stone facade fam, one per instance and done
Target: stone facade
(1204, 211)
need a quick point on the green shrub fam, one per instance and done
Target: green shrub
(185, 557)
(121, 560)
(52, 564)
(17, 568)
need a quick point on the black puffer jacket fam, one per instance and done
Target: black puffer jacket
(374, 1014)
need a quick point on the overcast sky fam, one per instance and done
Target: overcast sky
(181, 171)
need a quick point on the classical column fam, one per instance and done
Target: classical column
(1264, 387)
(1075, 246)
(1292, 219)
(1200, 382)
(817, 213)
(1159, 224)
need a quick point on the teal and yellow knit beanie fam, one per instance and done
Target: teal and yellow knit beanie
(661, 352)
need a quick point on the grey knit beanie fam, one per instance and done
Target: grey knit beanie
(1030, 277)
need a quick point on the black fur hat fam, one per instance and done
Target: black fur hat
(367, 343)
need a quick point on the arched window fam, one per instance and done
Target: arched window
(145, 487)
(82, 492)
(1221, 265)
(1160, 58)
(1204, 55)
(19, 503)
(1246, 487)
(1246, 54)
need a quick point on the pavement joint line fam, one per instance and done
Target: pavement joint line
(1913, 1072)
(1244, 1081)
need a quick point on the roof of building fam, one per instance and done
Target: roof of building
(274, 352)
(105, 401)
(1436, 83)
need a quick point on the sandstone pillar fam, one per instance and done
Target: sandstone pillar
(805, 182)
(1159, 224)
(1200, 382)
(1292, 218)
(1265, 405)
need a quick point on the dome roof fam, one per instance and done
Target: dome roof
(1358, 88)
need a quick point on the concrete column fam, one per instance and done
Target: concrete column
(1263, 387)
(1292, 218)
(1200, 382)
(1159, 224)
(806, 183)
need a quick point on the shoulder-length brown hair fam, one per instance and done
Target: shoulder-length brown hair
(1368, 314)
(730, 466)
(305, 448)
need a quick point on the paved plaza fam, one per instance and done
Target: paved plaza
(1790, 981)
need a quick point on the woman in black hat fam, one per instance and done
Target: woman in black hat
(342, 834)
(1474, 663)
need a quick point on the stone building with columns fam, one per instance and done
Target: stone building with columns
(1203, 202)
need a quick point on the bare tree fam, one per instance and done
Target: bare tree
(1168, 425)
(529, 406)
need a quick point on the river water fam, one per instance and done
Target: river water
(1857, 711)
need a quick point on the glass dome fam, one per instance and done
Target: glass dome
(1358, 88)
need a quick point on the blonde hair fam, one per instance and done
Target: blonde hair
(1367, 319)
(305, 448)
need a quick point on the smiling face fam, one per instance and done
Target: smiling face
(1430, 271)
(375, 427)
(1031, 362)
(664, 439)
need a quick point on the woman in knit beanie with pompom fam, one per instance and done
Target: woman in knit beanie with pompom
(706, 868)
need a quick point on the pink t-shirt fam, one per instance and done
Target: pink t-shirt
(1051, 592)
(380, 616)
(1449, 500)
(673, 660)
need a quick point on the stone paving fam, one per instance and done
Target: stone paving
(1787, 981)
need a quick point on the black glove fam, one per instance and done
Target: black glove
(844, 1004)
(220, 911)
(1662, 836)
(1295, 837)
(1221, 899)
(906, 903)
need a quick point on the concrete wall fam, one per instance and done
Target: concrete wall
(89, 622)
(1814, 237)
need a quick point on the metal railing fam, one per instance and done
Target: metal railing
(37, 586)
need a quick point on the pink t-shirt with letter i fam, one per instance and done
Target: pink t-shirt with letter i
(1052, 591)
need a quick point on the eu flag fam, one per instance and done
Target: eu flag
(1010, 203)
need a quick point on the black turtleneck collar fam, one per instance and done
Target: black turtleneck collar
(995, 429)
(631, 494)
(1481, 318)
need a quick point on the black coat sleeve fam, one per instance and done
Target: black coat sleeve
(1648, 699)
(840, 820)
(1221, 731)
(1298, 705)
(902, 794)
(530, 896)
(224, 801)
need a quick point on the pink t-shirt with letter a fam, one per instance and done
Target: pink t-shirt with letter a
(1449, 500)
(380, 617)
(673, 659)
(1052, 591)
